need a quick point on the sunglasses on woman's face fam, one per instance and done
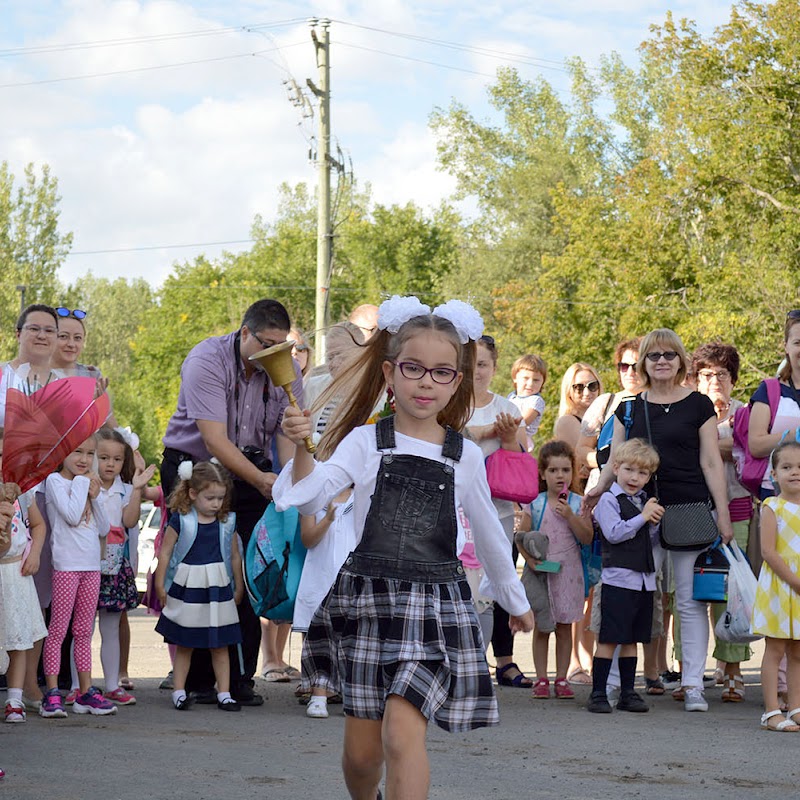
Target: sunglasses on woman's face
(592, 386)
(669, 355)
(624, 366)
(66, 312)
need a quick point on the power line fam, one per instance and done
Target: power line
(157, 247)
(544, 63)
(155, 38)
(145, 69)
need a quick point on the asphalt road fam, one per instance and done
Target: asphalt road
(543, 749)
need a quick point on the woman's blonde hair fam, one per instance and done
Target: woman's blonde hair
(204, 473)
(567, 404)
(360, 382)
(667, 339)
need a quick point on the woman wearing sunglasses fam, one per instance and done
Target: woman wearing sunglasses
(580, 387)
(683, 428)
(70, 341)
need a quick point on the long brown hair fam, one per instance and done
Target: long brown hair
(204, 473)
(360, 382)
(557, 448)
(106, 434)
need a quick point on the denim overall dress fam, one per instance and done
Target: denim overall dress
(400, 618)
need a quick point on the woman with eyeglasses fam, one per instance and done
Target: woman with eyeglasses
(496, 423)
(37, 328)
(626, 354)
(580, 387)
(715, 368)
(683, 428)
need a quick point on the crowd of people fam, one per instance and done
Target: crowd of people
(411, 566)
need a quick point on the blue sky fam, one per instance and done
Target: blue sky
(154, 155)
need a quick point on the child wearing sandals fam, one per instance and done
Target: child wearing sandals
(329, 536)
(776, 614)
(21, 622)
(628, 522)
(557, 512)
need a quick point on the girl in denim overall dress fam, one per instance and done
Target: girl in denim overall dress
(398, 632)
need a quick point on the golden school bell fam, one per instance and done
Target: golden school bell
(278, 363)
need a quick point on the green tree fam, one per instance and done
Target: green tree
(32, 247)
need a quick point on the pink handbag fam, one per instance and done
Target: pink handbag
(512, 475)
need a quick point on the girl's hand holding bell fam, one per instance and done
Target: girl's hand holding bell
(296, 424)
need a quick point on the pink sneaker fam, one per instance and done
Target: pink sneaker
(541, 689)
(563, 689)
(72, 696)
(121, 697)
(93, 702)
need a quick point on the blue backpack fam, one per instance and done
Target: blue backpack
(273, 564)
(607, 432)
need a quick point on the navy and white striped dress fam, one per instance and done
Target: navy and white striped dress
(200, 610)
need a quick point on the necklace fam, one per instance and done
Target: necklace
(666, 407)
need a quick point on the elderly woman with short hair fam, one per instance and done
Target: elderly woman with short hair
(683, 428)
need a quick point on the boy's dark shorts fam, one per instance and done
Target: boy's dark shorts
(626, 615)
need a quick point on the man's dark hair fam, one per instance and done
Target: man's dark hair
(23, 317)
(266, 314)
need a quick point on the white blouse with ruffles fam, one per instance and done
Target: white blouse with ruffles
(356, 461)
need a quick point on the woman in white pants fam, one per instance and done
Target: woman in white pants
(683, 428)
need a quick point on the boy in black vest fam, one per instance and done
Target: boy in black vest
(629, 525)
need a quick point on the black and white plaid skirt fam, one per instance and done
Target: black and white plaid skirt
(372, 637)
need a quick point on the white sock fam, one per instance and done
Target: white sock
(15, 694)
(178, 695)
(223, 696)
(109, 647)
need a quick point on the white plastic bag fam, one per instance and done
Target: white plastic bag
(736, 624)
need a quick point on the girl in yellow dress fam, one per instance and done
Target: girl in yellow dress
(776, 614)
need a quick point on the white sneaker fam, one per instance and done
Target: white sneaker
(317, 708)
(694, 700)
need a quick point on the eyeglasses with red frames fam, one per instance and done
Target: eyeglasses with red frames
(415, 372)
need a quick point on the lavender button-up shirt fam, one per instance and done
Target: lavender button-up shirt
(615, 529)
(209, 377)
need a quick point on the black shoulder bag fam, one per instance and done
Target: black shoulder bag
(684, 526)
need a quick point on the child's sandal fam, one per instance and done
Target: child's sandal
(563, 690)
(541, 689)
(734, 689)
(786, 725)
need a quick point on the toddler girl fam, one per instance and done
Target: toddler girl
(21, 622)
(557, 512)
(198, 563)
(121, 488)
(776, 614)
(78, 522)
(329, 536)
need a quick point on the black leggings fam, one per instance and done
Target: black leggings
(502, 638)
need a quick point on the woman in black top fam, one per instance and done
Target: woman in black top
(684, 431)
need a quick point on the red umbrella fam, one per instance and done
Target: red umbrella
(43, 427)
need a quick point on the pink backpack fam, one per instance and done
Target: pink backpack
(751, 470)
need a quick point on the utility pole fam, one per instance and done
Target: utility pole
(21, 288)
(324, 226)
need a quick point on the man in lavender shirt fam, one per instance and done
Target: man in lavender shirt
(228, 409)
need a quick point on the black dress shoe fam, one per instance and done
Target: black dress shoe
(598, 703)
(229, 705)
(244, 694)
(206, 697)
(630, 701)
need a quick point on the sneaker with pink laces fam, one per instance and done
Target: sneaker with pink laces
(93, 702)
(72, 695)
(15, 711)
(121, 697)
(541, 689)
(563, 690)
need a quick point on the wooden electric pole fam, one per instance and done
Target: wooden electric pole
(324, 225)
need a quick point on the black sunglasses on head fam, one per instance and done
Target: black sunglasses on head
(487, 340)
(66, 312)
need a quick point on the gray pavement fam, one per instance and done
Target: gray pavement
(543, 749)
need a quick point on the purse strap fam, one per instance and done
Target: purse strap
(650, 439)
